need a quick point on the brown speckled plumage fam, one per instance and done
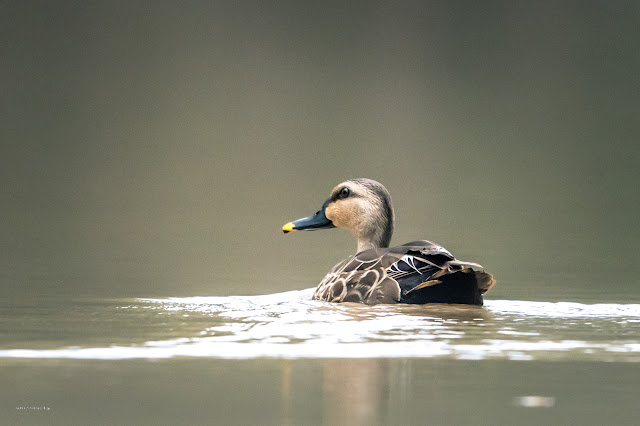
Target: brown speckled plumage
(416, 272)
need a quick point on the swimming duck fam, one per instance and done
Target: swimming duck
(416, 272)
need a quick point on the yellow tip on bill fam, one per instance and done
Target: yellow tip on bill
(288, 227)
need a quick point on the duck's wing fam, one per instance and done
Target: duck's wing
(360, 278)
(388, 275)
(428, 273)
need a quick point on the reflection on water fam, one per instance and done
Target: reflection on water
(349, 386)
(290, 325)
(534, 401)
(372, 391)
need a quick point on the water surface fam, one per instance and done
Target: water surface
(285, 359)
(291, 325)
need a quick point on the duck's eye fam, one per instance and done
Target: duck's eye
(344, 192)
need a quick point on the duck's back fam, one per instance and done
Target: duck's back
(416, 272)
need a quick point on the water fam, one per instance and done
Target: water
(298, 361)
(291, 325)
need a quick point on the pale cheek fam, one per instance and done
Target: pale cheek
(337, 216)
(343, 215)
(331, 213)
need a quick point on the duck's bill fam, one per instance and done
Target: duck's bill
(310, 223)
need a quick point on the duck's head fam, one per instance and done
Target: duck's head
(362, 206)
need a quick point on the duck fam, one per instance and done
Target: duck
(418, 272)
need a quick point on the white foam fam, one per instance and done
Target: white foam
(290, 325)
(563, 309)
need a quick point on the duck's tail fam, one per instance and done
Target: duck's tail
(465, 286)
(485, 281)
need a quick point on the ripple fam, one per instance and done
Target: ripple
(563, 309)
(290, 325)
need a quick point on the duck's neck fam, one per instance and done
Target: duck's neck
(366, 245)
(374, 225)
(376, 236)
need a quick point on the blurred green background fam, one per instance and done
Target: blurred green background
(156, 148)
